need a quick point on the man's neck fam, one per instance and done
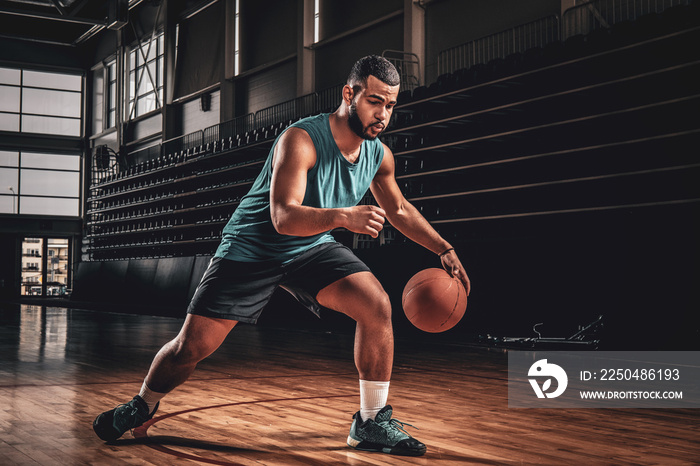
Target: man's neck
(347, 141)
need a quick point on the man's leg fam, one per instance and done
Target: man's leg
(362, 297)
(177, 359)
(172, 366)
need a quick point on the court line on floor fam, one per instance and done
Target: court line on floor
(142, 431)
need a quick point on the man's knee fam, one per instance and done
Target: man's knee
(360, 296)
(188, 351)
(198, 338)
(384, 306)
(377, 310)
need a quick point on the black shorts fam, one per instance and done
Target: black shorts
(240, 290)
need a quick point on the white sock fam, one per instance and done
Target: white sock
(150, 397)
(373, 396)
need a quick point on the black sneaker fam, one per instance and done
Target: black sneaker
(112, 424)
(383, 434)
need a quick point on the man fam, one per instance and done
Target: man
(316, 174)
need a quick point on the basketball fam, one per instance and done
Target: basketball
(434, 301)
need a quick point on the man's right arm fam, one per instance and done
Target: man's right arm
(294, 156)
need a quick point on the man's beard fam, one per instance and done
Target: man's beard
(356, 125)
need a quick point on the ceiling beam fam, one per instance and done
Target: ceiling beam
(68, 19)
(59, 7)
(76, 7)
(34, 39)
(88, 34)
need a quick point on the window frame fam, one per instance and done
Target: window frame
(109, 102)
(131, 102)
(20, 113)
(18, 195)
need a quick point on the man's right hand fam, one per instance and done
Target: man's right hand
(364, 219)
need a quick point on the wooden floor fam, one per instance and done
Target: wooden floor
(285, 397)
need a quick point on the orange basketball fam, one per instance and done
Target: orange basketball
(434, 301)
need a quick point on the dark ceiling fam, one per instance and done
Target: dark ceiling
(64, 22)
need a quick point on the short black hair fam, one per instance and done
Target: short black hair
(373, 65)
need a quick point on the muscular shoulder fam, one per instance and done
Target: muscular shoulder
(295, 137)
(386, 167)
(387, 151)
(295, 146)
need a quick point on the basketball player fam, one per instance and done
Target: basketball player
(315, 175)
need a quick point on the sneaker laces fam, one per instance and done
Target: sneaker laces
(395, 429)
(132, 411)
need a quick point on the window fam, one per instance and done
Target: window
(317, 21)
(146, 65)
(98, 100)
(40, 102)
(237, 40)
(111, 95)
(39, 183)
(45, 266)
(104, 97)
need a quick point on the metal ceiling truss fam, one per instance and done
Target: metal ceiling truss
(95, 16)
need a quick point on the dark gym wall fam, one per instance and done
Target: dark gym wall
(335, 55)
(200, 51)
(195, 119)
(268, 38)
(338, 17)
(268, 32)
(333, 61)
(267, 88)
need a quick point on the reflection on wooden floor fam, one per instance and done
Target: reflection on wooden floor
(279, 397)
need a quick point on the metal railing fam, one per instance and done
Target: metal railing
(229, 129)
(596, 14)
(329, 99)
(499, 45)
(408, 66)
(290, 110)
(282, 113)
(148, 153)
(182, 143)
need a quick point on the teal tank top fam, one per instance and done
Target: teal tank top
(333, 182)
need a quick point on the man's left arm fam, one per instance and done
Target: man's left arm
(406, 218)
